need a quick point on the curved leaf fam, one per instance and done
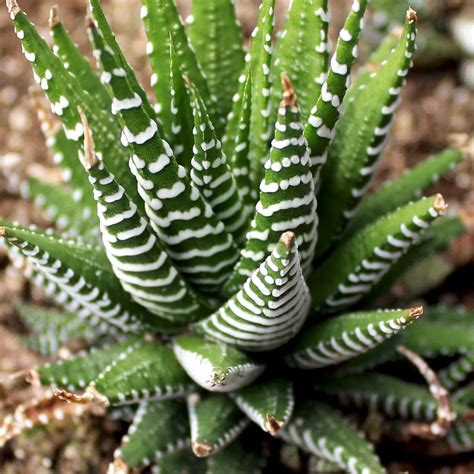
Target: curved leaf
(158, 429)
(287, 200)
(361, 135)
(144, 371)
(215, 423)
(270, 308)
(344, 337)
(211, 173)
(306, 33)
(268, 403)
(358, 263)
(217, 40)
(215, 367)
(319, 130)
(320, 430)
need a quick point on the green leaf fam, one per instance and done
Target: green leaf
(158, 429)
(259, 63)
(346, 336)
(457, 371)
(211, 173)
(358, 263)
(182, 462)
(320, 129)
(268, 403)
(306, 34)
(270, 308)
(435, 239)
(215, 423)
(84, 273)
(194, 238)
(361, 135)
(78, 371)
(433, 338)
(373, 64)
(180, 128)
(317, 465)
(66, 95)
(236, 143)
(137, 257)
(405, 188)
(320, 430)
(287, 199)
(391, 396)
(238, 458)
(384, 352)
(460, 437)
(63, 206)
(146, 370)
(217, 40)
(51, 329)
(457, 315)
(73, 60)
(216, 367)
(162, 23)
(66, 153)
(123, 68)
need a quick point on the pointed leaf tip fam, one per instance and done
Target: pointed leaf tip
(439, 204)
(90, 158)
(289, 94)
(201, 450)
(272, 425)
(54, 16)
(416, 312)
(411, 15)
(13, 8)
(287, 239)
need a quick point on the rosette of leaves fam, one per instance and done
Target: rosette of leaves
(215, 248)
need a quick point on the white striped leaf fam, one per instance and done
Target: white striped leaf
(137, 257)
(360, 262)
(66, 95)
(52, 329)
(215, 367)
(81, 369)
(238, 458)
(320, 129)
(457, 371)
(236, 143)
(270, 308)
(158, 429)
(320, 430)
(181, 462)
(144, 371)
(215, 35)
(195, 239)
(268, 403)
(389, 395)
(215, 422)
(259, 63)
(361, 136)
(211, 173)
(287, 199)
(306, 33)
(84, 275)
(346, 336)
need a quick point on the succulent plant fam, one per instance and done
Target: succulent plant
(219, 253)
